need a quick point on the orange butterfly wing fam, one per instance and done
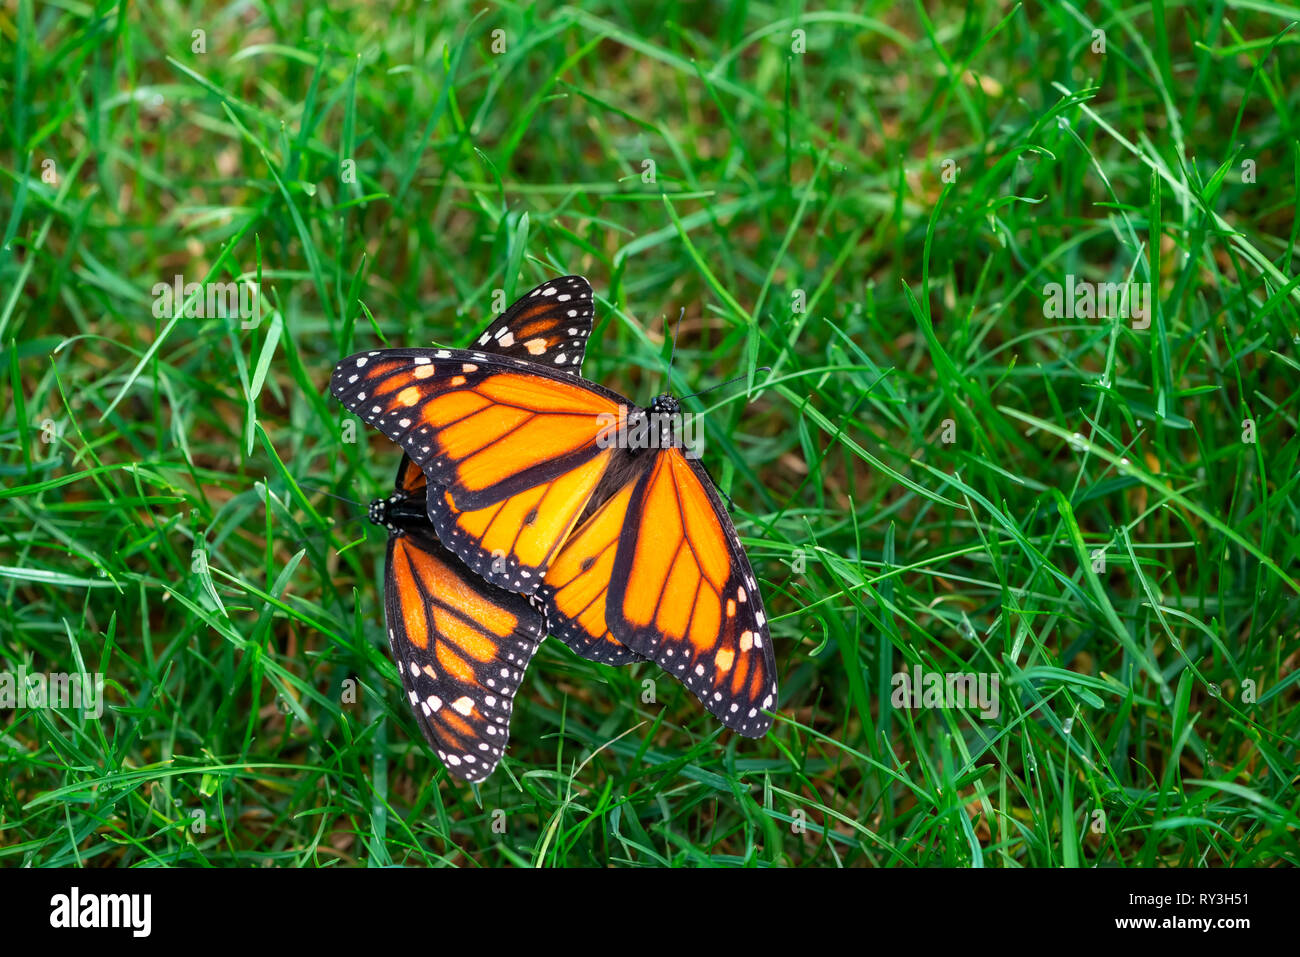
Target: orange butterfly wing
(683, 594)
(575, 590)
(518, 454)
(461, 647)
(659, 566)
(551, 325)
(548, 324)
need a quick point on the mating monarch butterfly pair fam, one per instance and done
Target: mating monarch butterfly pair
(520, 509)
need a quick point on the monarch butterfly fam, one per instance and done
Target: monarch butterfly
(535, 480)
(460, 644)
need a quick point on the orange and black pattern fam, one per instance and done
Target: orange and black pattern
(659, 566)
(629, 551)
(516, 452)
(575, 589)
(550, 323)
(460, 644)
(682, 593)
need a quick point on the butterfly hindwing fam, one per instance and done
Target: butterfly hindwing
(512, 541)
(575, 589)
(461, 647)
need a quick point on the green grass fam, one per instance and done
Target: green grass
(163, 520)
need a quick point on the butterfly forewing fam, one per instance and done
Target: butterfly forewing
(682, 593)
(549, 324)
(512, 455)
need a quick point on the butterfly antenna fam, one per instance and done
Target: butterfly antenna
(352, 502)
(728, 382)
(672, 353)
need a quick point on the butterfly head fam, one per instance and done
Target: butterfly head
(664, 421)
(665, 404)
(398, 512)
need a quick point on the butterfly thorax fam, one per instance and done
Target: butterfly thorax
(397, 512)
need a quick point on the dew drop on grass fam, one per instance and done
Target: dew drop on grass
(1067, 725)
(1214, 690)
(1078, 442)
